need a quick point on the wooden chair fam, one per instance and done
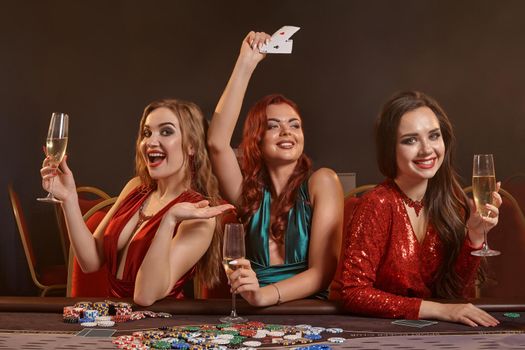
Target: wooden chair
(351, 199)
(80, 284)
(88, 196)
(46, 278)
(504, 276)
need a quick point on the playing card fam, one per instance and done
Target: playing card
(99, 332)
(82, 332)
(414, 323)
(279, 42)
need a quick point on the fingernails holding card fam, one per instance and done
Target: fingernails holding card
(280, 41)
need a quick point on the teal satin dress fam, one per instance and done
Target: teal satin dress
(296, 240)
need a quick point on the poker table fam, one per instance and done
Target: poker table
(36, 323)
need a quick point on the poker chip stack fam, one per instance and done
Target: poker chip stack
(245, 336)
(102, 307)
(71, 314)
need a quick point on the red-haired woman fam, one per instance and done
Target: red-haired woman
(293, 217)
(411, 237)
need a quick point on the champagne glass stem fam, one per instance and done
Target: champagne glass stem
(485, 242)
(234, 308)
(51, 187)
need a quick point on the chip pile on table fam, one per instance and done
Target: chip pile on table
(104, 313)
(245, 336)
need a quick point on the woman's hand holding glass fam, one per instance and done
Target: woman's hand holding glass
(477, 223)
(59, 178)
(244, 281)
(55, 148)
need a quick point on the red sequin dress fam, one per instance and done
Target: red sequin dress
(140, 244)
(386, 271)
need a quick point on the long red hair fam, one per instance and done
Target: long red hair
(255, 172)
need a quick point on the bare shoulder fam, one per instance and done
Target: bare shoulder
(321, 178)
(324, 185)
(130, 185)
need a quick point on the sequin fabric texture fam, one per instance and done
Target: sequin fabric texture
(386, 271)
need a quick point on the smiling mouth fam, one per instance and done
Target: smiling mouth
(155, 158)
(425, 163)
(285, 144)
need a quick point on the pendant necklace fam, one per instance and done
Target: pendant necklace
(416, 205)
(142, 218)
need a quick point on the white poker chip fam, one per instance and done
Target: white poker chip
(225, 336)
(260, 334)
(246, 348)
(338, 340)
(88, 324)
(196, 340)
(334, 330)
(194, 335)
(105, 323)
(303, 326)
(317, 329)
(221, 341)
(275, 334)
(102, 318)
(291, 337)
(252, 343)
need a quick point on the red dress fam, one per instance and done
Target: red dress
(386, 271)
(140, 244)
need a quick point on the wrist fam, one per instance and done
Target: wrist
(430, 309)
(70, 198)
(474, 241)
(246, 65)
(278, 298)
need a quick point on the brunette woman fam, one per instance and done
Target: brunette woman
(411, 237)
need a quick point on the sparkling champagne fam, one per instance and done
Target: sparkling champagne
(482, 188)
(56, 148)
(228, 268)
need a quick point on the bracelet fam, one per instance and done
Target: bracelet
(279, 301)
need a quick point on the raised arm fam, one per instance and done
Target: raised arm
(88, 247)
(169, 258)
(325, 240)
(222, 125)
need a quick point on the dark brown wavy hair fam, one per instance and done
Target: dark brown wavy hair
(197, 169)
(445, 202)
(255, 172)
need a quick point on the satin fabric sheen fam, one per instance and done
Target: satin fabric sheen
(140, 244)
(296, 240)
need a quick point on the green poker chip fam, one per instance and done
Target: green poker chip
(511, 314)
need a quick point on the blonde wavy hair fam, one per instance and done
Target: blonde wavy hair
(197, 169)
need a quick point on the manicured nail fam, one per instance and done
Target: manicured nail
(233, 262)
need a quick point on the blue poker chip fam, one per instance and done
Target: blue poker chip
(313, 336)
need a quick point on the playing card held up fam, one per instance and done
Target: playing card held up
(280, 41)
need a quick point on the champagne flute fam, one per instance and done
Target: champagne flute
(56, 144)
(232, 249)
(483, 184)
